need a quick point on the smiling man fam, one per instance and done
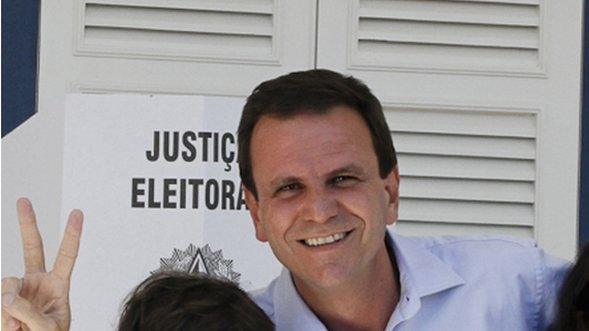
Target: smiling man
(323, 207)
(322, 183)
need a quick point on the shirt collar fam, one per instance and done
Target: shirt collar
(420, 270)
(421, 273)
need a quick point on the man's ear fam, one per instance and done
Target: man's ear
(254, 208)
(392, 188)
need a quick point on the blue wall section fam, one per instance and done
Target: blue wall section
(20, 31)
(584, 191)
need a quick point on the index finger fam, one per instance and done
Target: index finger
(68, 251)
(31, 239)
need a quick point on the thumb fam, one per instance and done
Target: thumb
(12, 285)
(24, 311)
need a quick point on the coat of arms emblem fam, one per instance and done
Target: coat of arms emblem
(200, 260)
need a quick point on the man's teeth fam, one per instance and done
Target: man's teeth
(325, 240)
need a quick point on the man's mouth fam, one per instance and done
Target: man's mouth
(320, 241)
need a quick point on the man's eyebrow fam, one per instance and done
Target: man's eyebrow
(347, 169)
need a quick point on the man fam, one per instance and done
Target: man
(322, 183)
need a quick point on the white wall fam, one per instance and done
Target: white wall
(32, 153)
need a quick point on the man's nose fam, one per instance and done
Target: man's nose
(319, 206)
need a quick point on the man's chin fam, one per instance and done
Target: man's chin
(330, 277)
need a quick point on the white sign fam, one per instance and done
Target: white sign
(158, 181)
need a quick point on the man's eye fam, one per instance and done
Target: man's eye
(342, 179)
(289, 187)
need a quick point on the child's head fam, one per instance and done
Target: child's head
(180, 301)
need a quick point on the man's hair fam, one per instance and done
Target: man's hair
(573, 305)
(313, 91)
(181, 301)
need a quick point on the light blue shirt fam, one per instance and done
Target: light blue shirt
(449, 283)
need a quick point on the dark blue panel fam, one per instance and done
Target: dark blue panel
(584, 190)
(20, 31)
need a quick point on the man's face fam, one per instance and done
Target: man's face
(321, 204)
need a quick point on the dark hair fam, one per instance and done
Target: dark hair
(573, 306)
(315, 91)
(171, 301)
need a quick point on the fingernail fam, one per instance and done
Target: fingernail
(7, 299)
(25, 203)
(77, 219)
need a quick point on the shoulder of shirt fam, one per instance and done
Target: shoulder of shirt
(538, 275)
(513, 254)
(263, 297)
(520, 253)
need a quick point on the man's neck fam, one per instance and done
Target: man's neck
(365, 303)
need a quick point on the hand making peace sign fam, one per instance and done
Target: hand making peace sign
(40, 299)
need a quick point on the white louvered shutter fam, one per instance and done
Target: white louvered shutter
(437, 35)
(449, 160)
(482, 100)
(190, 47)
(216, 31)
